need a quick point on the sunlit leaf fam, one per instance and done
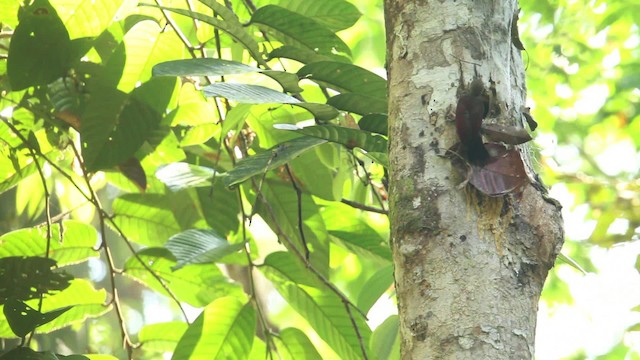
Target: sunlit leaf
(145, 218)
(385, 340)
(224, 330)
(196, 285)
(267, 160)
(293, 344)
(199, 246)
(348, 137)
(375, 287)
(298, 30)
(179, 176)
(161, 336)
(347, 78)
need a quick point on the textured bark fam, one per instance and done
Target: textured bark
(469, 268)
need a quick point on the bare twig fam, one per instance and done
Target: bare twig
(364, 207)
(303, 239)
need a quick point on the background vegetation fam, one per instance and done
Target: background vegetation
(186, 164)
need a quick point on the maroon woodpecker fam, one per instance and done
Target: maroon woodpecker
(471, 110)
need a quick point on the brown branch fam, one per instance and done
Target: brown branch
(364, 207)
(303, 239)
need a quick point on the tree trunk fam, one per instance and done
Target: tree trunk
(469, 268)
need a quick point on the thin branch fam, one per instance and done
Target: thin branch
(247, 250)
(364, 207)
(104, 215)
(303, 239)
(177, 30)
(357, 330)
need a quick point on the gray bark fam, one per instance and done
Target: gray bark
(469, 269)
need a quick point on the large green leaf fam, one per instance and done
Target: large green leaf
(40, 49)
(284, 266)
(71, 242)
(228, 23)
(86, 302)
(145, 45)
(358, 103)
(146, 218)
(375, 123)
(179, 176)
(86, 17)
(269, 159)
(220, 208)
(327, 314)
(115, 124)
(202, 67)
(293, 344)
(199, 246)
(24, 278)
(354, 233)
(346, 78)
(385, 340)
(196, 285)
(304, 55)
(23, 319)
(334, 14)
(283, 217)
(248, 94)
(298, 30)
(351, 138)
(161, 336)
(224, 330)
(374, 287)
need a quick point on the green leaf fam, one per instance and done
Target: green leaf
(179, 176)
(351, 138)
(219, 67)
(143, 46)
(248, 94)
(228, 24)
(24, 278)
(358, 103)
(196, 285)
(334, 14)
(40, 48)
(199, 246)
(303, 55)
(327, 314)
(162, 336)
(224, 330)
(87, 17)
(375, 123)
(25, 353)
(298, 30)
(146, 218)
(23, 319)
(283, 219)
(346, 78)
(574, 264)
(86, 301)
(385, 340)
(220, 208)
(293, 344)
(72, 242)
(270, 159)
(321, 112)
(374, 287)
(354, 233)
(202, 67)
(284, 266)
(115, 124)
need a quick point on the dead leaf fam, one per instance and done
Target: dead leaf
(506, 134)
